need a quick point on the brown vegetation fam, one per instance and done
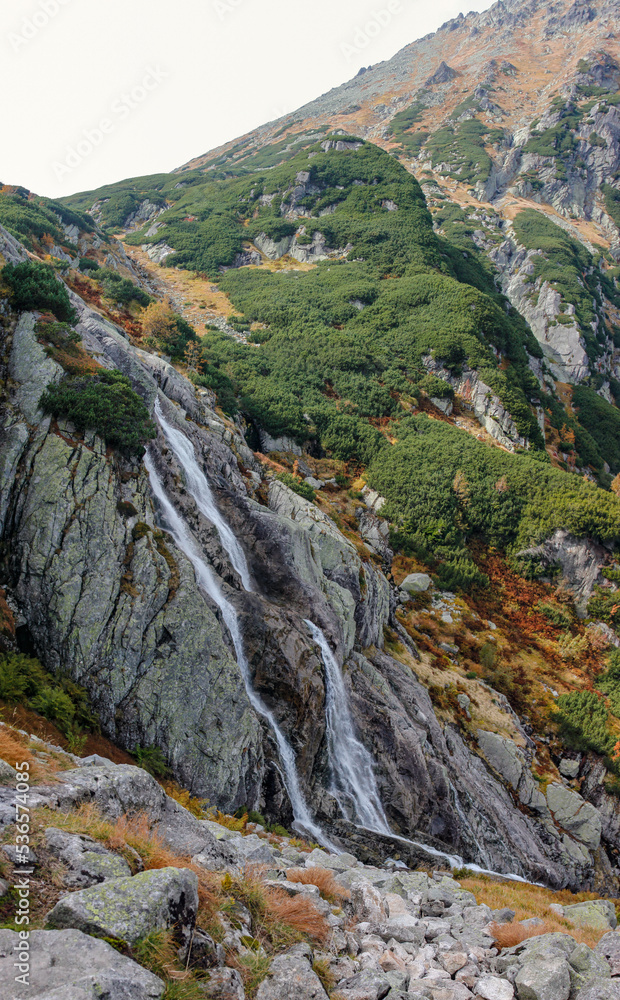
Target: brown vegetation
(323, 879)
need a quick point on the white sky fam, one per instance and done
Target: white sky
(214, 69)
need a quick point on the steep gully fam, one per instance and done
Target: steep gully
(354, 785)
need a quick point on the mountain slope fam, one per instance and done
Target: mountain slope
(403, 396)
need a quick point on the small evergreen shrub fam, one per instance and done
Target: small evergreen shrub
(24, 681)
(461, 573)
(583, 722)
(86, 264)
(104, 403)
(35, 286)
(151, 759)
(302, 489)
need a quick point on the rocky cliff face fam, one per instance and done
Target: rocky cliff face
(104, 595)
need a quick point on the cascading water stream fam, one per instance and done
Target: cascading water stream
(353, 776)
(208, 580)
(198, 485)
(354, 782)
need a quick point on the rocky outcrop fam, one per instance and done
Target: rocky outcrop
(580, 562)
(541, 304)
(71, 964)
(117, 908)
(105, 595)
(485, 404)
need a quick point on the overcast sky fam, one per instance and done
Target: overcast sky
(96, 92)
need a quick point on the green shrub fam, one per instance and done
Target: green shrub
(55, 705)
(558, 616)
(604, 605)
(302, 489)
(121, 290)
(24, 681)
(87, 264)
(35, 286)
(151, 759)
(583, 721)
(104, 403)
(609, 682)
(21, 677)
(461, 573)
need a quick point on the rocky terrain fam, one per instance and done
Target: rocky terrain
(309, 504)
(126, 922)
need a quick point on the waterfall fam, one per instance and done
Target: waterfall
(199, 488)
(353, 776)
(354, 783)
(209, 582)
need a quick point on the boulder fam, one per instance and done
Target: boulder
(292, 975)
(122, 789)
(597, 913)
(609, 948)
(88, 861)
(494, 988)
(601, 989)
(336, 862)
(587, 966)
(416, 583)
(71, 965)
(368, 903)
(575, 815)
(128, 909)
(369, 984)
(26, 859)
(568, 767)
(543, 979)
(201, 951)
(225, 984)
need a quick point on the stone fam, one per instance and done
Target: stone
(609, 948)
(587, 966)
(573, 814)
(201, 951)
(494, 988)
(335, 862)
(225, 984)
(597, 913)
(568, 767)
(404, 928)
(21, 860)
(130, 908)
(8, 774)
(88, 861)
(601, 989)
(503, 755)
(4, 887)
(416, 583)
(543, 979)
(454, 961)
(291, 975)
(368, 903)
(366, 985)
(504, 916)
(70, 965)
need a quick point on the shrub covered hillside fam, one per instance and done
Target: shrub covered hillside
(338, 342)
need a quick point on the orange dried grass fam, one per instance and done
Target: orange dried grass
(298, 912)
(323, 879)
(14, 749)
